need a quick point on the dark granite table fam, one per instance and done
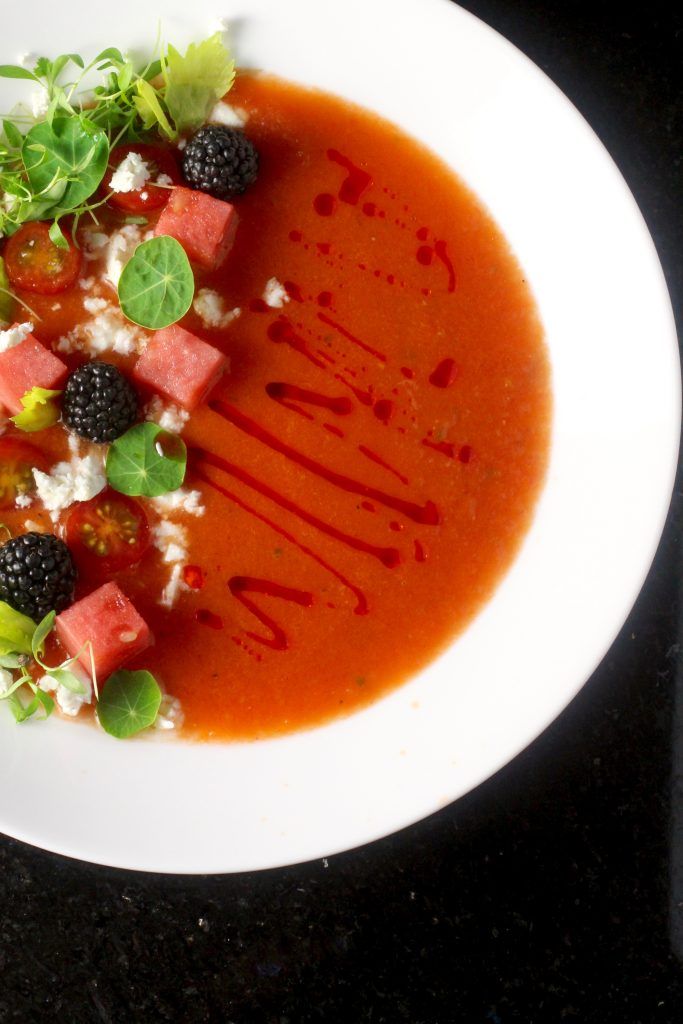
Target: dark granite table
(541, 897)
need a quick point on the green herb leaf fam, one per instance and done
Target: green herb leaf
(6, 302)
(157, 284)
(15, 71)
(70, 154)
(13, 661)
(40, 700)
(150, 110)
(40, 410)
(129, 703)
(12, 134)
(194, 82)
(42, 631)
(16, 631)
(67, 679)
(146, 461)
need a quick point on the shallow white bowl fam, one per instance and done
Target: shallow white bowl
(462, 89)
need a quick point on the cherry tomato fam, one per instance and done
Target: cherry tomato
(35, 263)
(150, 196)
(107, 533)
(17, 460)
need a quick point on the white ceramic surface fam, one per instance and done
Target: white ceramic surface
(471, 96)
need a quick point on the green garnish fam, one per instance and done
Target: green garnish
(129, 703)
(157, 284)
(146, 461)
(40, 410)
(16, 631)
(53, 164)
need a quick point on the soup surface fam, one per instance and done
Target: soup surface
(370, 464)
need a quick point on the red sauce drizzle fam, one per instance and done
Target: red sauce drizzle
(444, 374)
(324, 204)
(423, 234)
(324, 248)
(281, 331)
(295, 236)
(425, 255)
(384, 410)
(193, 576)
(240, 586)
(368, 506)
(206, 618)
(356, 180)
(293, 291)
(364, 397)
(389, 557)
(325, 299)
(407, 372)
(442, 253)
(427, 514)
(465, 454)
(361, 600)
(351, 337)
(334, 430)
(380, 462)
(369, 209)
(339, 406)
(444, 447)
(259, 306)
(420, 552)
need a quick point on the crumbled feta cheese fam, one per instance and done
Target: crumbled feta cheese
(144, 195)
(86, 283)
(93, 243)
(181, 144)
(34, 527)
(171, 540)
(93, 304)
(67, 482)
(168, 416)
(107, 331)
(231, 117)
(69, 703)
(170, 714)
(122, 245)
(182, 500)
(14, 336)
(210, 308)
(174, 587)
(55, 306)
(130, 175)
(23, 500)
(6, 680)
(275, 294)
(40, 103)
(164, 180)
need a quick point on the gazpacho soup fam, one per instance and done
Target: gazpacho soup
(276, 402)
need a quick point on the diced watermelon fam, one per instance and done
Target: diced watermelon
(204, 226)
(28, 365)
(109, 620)
(180, 366)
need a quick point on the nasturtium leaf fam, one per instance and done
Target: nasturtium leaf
(156, 287)
(16, 631)
(195, 81)
(146, 461)
(129, 703)
(6, 300)
(40, 410)
(71, 151)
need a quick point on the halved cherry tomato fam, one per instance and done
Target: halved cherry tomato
(35, 263)
(150, 196)
(107, 533)
(17, 460)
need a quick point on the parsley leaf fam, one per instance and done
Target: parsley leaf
(146, 461)
(129, 703)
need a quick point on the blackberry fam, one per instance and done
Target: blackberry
(99, 403)
(37, 574)
(221, 161)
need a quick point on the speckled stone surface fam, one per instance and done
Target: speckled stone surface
(543, 896)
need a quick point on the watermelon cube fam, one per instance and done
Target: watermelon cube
(28, 365)
(110, 622)
(204, 226)
(180, 366)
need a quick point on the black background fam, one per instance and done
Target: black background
(541, 897)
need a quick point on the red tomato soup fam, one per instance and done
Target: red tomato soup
(370, 464)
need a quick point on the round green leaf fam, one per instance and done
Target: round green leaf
(146, 461)
(157, 284)
(129, 703)
(68, 156)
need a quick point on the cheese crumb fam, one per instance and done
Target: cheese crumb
(23, 500)
(168, 416)
(174, 587)
(182, 500)
(14, 336)
(171, 540)
(93, 243)
(164, 180)
(130, 175)
(68, 482)
(6, 680)
(40, 103)
(107, 331)
(93, 304)
(210, 308)
(122, 245)
(275, 294)
(170, 715)
(231, 117)
(69, 703)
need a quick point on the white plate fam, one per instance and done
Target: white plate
(466, 92)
